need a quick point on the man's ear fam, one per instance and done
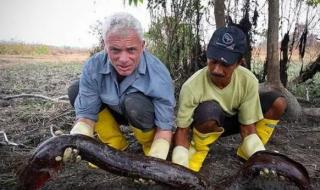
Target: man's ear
(143, 44)
(105, 46)
(242, 62)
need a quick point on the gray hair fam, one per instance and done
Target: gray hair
(121, 22)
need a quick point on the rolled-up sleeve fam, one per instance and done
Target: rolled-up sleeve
(164, 107)
(88, 102)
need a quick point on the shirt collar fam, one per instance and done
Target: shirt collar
(106, 65)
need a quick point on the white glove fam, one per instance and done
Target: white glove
(180, 155)
(82, 128)
(159, 148)
(251, 144)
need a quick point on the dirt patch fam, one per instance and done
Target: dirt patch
(28, 121)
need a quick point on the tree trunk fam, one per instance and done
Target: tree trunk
(273, 82)
(273, 70)
(219, 13)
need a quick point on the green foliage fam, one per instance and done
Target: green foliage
(174, 36)
(41, 50)
(300, 90)
(135, 2)
(313, 2)
(23, 49)
(308, 89)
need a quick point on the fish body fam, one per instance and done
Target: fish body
(43, 165)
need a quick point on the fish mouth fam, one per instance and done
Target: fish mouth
(276, 166)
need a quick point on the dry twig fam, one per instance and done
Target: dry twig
(61, 99)
(7, 140)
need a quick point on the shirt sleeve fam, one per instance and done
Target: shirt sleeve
(250, 108)
(187, 105)
(88, 102)
(164, 106)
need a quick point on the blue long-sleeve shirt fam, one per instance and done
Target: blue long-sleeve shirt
(98, 84)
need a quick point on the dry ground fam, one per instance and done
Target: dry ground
(27, 121)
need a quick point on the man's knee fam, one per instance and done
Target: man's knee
(73, 91)
(273, 104)
(139, 111)
(279, 106)
(208, 117)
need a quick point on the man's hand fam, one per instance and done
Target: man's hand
(159, 148)
(82, 128)
(251, 144)
(161, 144)
(180, 155)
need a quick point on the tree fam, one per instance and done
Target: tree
(175, 36)
(273, 77)
(219, 14)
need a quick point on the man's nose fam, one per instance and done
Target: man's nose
(124, 56)
(217, 69)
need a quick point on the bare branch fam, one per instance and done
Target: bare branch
(9, 142)
(61, 99)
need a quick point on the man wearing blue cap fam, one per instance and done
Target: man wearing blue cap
(223, 99)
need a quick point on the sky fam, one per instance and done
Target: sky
(59, 22)
(67, 23)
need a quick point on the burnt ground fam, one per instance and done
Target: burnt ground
(28, 121)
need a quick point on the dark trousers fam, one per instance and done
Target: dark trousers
(137, 109)
(211, 110)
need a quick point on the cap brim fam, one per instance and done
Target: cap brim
(223, 55)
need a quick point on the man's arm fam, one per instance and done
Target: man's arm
(88, 102)
(180, 154)
(181, 137)
(246, 130)
(161, 144)
(187, 104)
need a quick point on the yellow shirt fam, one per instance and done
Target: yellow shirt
(240, 96)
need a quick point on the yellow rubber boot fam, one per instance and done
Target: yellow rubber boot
(108, 131)
(199, 148)
(265, 128)
(144, 138)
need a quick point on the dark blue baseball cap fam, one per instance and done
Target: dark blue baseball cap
(227, 44)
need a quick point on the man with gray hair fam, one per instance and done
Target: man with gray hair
(125, 84)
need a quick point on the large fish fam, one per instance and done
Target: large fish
(43, 165)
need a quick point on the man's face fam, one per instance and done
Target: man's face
(124, 49)
(220, 72)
